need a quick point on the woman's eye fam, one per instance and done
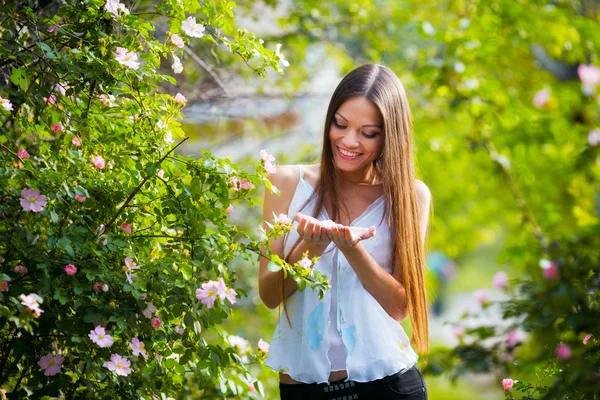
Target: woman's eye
(337, 124)
(370, 136)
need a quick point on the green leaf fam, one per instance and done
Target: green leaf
(273, 267)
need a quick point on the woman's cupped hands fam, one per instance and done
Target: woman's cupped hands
(321, 233)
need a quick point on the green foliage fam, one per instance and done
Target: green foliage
(91, 129)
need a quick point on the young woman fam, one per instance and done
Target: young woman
(350, 344)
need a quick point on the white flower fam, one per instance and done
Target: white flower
(115, 6)
(279, 54)
(6, 104)
(149, 311)
(127, 58)
(239, 343)
(177, 66)
(191, 28)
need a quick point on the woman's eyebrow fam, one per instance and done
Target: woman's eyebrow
(369, 125)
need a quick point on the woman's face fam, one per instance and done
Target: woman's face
(356, 135)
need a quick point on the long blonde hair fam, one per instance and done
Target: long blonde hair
(395, 168)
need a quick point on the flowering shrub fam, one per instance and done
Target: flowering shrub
(114, 250)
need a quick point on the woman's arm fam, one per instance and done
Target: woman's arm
(388, 292)
(269, 283)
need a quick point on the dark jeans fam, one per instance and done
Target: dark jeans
(408, 386)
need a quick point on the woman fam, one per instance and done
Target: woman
(350, 344)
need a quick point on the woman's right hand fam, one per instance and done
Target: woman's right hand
(311, 230)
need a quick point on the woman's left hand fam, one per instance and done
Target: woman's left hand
(345, 236)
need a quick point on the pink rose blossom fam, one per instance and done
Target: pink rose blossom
(70, 269)
(541, 98)
(177, 41)
(179, 98)
(79, 198)
(21, 269)
(500, 280)
(107, 101)
(191, 28)
(235, 183)
(266, 156)
(56, 128)
(515, 337)
(283, 219)
(32, 200)
(482, 296)
(593, 137)
(126, 227)
(97, 286)
(549, 269)
(155, 322)
(587, 338)
(589, 75)
(270, 168)
(138, 348)
(263, 346)
(76, 141)
(226, 293)
(100, 337)
(50, 100)
(99, 162)
(563, 352)
(507, 384)
(51, 364)
(230, 208)
(31, 302)
(127, 58)
(246, 185)
(119, 365)
(62, 88)
(180, 330)
(149, 310)
(305, 263)
(207, 294)
(23, 154)
(457, 331)
(3, 285)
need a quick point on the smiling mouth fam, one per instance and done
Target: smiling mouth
(347, 154)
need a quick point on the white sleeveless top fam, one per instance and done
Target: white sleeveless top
(374, 344)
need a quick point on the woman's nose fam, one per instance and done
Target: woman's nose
(350, 140)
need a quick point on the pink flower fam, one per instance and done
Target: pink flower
(23, 154)
(177, 41)
(53, 28)
(563, 352)
(51, 364)
(76, 141)
(500, 280)
(266, 156)
(482, 296)
(224, 292)
(6, 104)
(161, 174)
(246, 185)
(56, 128)
(99, 162)
(305, 263)
(79, 198)
(541, 98)
(457, 331)
(30, 302)
(119, 365)
(235, 183)
(62, 88)
(21, 269)
(137, 347)
(263, 346)
(127, 58)
(130, 264)
(191, 28)
(97, 286)
(107, 101)
(3, 285)
(32, 200)
(587, 338)
(179, 98)
(515, 337)
(50, 100)
(283, 219)
(155, 322)
(589, 75)
(126, 227)
(100, 337)
(105, 288)
(230, 208)
(593, 137)
(70, 269)
(208, 294)
(507, 384)
(550, 269)
(149, 310)
(270, 168)
(180, 330)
